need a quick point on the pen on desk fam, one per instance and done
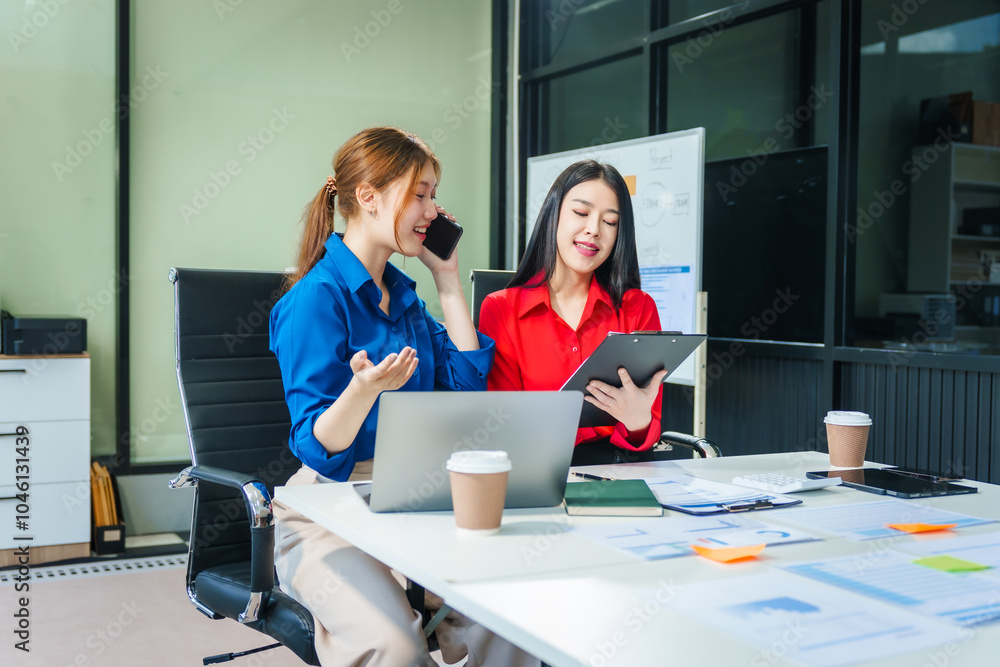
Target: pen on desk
(584, 475)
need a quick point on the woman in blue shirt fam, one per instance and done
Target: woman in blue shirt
(350, 327)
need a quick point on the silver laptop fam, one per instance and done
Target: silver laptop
(418, 431)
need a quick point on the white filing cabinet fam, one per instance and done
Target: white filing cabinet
(50, 396)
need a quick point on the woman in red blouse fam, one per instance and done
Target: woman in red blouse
(578, 280)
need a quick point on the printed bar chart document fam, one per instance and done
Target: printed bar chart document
(809, 621)
(892, 576)
(867, 521)
(674, 537)
(984, 549)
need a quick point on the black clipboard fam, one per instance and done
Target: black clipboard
(642, 353)
(769, 502)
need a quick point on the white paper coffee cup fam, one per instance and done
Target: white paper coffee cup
(478, 489)
(847, 437)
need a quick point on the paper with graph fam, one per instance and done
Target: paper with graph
(867, 521)
(654, 539)
(792, 617)
(892, 576)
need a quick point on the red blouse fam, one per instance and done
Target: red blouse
(537, 350)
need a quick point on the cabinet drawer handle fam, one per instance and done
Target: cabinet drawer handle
(13, 370)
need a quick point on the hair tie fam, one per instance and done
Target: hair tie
(331, 185)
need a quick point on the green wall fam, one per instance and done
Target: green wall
(238, 134)
(57, 226)
(236, 110)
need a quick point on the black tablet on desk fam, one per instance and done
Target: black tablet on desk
(884, 481)
(642, 354)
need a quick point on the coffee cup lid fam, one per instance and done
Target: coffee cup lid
(847, 418)
(479, 462)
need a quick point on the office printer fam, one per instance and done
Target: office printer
(43, 335)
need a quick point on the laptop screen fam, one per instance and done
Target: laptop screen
(418, 431)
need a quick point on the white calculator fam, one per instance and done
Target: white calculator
(774, 482)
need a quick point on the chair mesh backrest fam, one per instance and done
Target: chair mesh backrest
(233, 398)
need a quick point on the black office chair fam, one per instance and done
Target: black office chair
(487, 281)
(238, 425)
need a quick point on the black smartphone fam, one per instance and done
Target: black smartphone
(934, 475)
(442, 236)
(882, 481)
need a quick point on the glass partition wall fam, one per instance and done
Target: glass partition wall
(927, 232)
(846, 171)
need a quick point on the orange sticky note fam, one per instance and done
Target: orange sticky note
(630, 184)
(920, 527)
(727, 554)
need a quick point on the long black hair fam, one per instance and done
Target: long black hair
(620, 271)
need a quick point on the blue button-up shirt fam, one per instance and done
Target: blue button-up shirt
(331, 314)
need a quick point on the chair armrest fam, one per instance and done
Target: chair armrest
(704, 447)
(258, 506)
(193, 474)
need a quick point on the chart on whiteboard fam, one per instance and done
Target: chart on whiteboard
(671, 288)
(665, 176)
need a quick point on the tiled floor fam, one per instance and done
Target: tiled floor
(124, 611)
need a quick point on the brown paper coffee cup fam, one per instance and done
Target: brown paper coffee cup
(478, 499)
(478, 489)
(847, 438)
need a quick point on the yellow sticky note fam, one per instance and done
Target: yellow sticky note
(727, 554)
(630, 183)
(920, 527)
(950, 564)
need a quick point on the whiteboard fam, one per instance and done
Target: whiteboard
(665, 174)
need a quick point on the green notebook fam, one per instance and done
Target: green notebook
(617, 497)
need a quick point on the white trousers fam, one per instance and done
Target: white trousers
(360, 609)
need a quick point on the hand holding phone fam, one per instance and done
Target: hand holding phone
(442, 236)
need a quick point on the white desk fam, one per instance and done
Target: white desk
(564, 598)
